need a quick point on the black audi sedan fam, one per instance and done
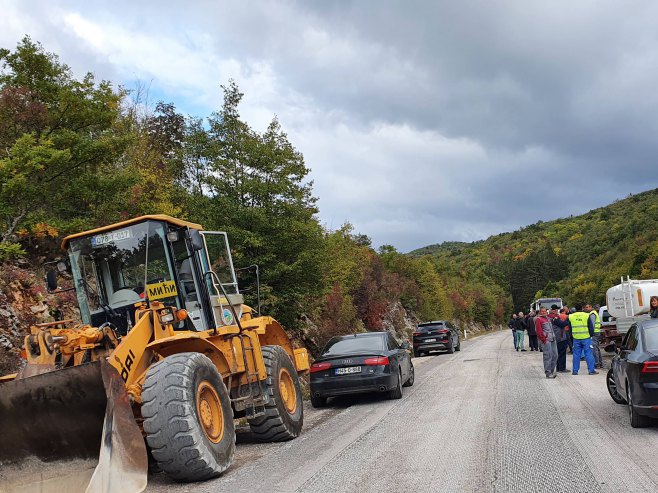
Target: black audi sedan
(439, 335)
(633, 378)
(361, 363)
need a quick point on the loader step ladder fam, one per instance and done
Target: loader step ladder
(254, 400)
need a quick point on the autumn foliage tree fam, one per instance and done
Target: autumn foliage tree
(58, 139)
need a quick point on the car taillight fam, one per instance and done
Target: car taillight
(650, 367)
(320, 367)
(443, 331)
(378, 361)
(418, 333)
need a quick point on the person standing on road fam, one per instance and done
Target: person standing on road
(564, 315)
(544, 330)
(596, 337)
(532, 335)
(520, 329)
(582, 329)
(552, 313)
(561, 331)
(653, 307)
(512, 325)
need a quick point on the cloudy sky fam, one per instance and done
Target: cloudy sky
(423, 121)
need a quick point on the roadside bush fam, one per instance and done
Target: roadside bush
(10, 251)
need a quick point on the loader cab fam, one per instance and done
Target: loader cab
(153, 258)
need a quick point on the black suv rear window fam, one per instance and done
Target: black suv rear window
(428, 327)
(651, 338)
(353, 345)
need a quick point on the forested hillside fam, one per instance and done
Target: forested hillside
(577, 258)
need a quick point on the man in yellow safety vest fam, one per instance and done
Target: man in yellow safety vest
(582, 329)
(596, 337)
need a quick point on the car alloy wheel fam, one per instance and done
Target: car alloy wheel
(412, 376)
(451, 347)
(396, 392)
(637, 421)
(612, 388)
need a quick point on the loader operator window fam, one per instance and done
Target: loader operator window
(220, 262)
(116, 269)
(219, 277)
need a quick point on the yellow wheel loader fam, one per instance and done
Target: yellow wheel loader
(166, 356)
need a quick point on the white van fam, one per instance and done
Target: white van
(546, 303)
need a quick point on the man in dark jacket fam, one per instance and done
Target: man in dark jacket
(520, 325)
(561, 331)
(512, 325)
(532, 333)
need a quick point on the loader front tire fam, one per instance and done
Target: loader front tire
(284, 414)
(188, 418)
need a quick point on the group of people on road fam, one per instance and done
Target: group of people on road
(558, 330)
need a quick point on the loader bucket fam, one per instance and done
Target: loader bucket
(70, 431)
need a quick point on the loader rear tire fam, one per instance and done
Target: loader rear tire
(188, 418)
(284, 414)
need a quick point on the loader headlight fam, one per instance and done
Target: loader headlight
(166, 317)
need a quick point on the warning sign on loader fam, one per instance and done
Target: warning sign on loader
(159, 290)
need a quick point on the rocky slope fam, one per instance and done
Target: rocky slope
(24, 302)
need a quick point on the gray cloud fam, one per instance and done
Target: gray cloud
(422, 122)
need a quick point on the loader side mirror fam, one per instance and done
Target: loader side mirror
(51, 280)
(196, 241)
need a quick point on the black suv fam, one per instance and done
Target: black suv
(439, 335)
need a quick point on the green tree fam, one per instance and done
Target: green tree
(56, 131)
(152, 162)
(258, 192)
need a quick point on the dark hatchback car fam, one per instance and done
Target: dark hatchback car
(360, 363)
(439, 335)
(633, 378)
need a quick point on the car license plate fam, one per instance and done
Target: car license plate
(348, 370)
(429, 340)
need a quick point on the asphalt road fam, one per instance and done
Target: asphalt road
(483, 419)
